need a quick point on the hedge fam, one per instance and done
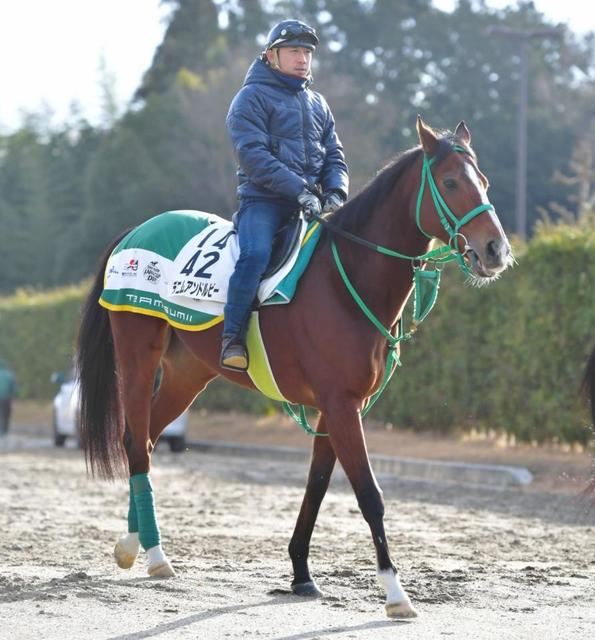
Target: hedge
(508, 356)
(37, 331)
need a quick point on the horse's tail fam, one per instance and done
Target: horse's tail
(589, 390)
(101, 416)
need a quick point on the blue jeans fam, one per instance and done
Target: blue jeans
(258, 222)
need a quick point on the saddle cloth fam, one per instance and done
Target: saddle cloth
(177, 266)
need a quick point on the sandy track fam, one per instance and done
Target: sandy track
(476, 563)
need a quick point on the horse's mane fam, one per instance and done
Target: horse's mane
(354, 213)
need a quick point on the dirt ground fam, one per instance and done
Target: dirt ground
(477, 563)
(555, 468)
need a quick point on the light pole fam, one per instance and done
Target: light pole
(523, 38)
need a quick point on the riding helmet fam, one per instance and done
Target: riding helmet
(292, 33)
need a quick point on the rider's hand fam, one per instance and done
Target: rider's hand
(333, 200)
(310, 204)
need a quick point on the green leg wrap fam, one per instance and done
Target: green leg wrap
(132, 517)
(148, 531)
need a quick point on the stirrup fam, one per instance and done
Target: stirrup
(234, 355)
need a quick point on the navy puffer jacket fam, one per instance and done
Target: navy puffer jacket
(284, 137)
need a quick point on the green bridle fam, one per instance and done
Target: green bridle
(449, 221)
(426, 282)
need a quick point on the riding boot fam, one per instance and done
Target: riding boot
(234, 354)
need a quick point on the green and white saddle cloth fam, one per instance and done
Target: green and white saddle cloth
(176, 266)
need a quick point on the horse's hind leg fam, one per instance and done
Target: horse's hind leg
(139, 343)
(321, 469)
(183, 378)
(347, 439)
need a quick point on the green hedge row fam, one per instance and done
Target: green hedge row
(37, 330)
(508, 356)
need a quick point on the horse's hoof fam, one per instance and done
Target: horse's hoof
(124, 559)
(401, 610)
(126, 551)
(161, 570)
(307, 589)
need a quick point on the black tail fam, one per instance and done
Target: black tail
(101, 417)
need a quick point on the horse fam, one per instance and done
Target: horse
(324, 351)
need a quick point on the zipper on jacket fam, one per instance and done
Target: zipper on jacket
(302, 99)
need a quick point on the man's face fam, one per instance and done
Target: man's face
(294, 61)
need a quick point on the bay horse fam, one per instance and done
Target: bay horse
(324, 352)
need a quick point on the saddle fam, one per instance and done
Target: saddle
(284, 242)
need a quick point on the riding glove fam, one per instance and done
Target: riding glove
(310, 204)
(333, 200)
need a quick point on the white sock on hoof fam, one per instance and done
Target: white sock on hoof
(159, 565)
(156, 555)
(391, 583)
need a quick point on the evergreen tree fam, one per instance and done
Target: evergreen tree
(192, 41)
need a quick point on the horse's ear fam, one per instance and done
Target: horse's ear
(462, 133)
(427, 137)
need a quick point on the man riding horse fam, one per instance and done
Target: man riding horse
(289, 157)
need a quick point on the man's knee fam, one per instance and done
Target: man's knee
(256, 258)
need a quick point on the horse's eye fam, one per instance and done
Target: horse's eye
(450, 183)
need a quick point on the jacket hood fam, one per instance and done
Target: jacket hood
(260, 73)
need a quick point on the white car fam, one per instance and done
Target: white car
(65, 417)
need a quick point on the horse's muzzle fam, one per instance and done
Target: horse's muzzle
(494, 258)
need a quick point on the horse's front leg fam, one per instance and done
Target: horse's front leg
(321, 468)
(347, 439)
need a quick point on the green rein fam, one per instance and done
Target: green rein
(425, 282)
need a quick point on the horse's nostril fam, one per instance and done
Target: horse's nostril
(493, 250)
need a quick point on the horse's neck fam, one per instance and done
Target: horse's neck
(385, 282)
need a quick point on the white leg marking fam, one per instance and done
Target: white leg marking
(126, 550)
(397, 603)
(159, 565)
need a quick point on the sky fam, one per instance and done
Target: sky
(51, 50)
